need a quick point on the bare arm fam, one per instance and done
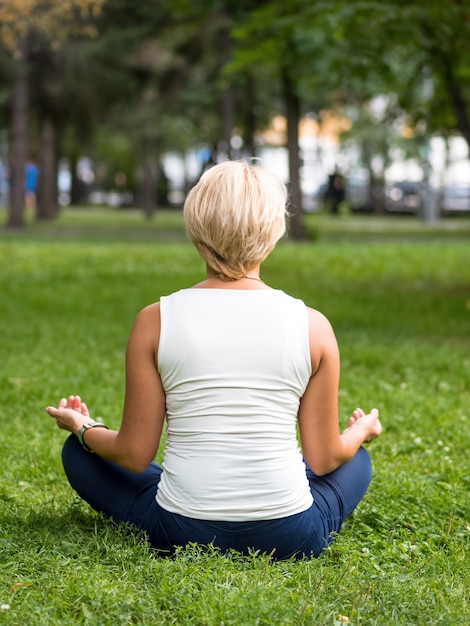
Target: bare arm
(324, 447)
(135, 444)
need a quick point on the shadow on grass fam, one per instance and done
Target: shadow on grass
(72, 533)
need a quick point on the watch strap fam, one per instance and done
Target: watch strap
(84, 428)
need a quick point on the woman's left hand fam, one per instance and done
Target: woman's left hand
(70, 414)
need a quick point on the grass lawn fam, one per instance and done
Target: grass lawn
(398, 295)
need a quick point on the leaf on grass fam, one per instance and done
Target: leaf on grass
(87, 614)
(19, 382)
(17, 586)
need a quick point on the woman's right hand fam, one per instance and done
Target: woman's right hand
(369, 423)
(70, 414)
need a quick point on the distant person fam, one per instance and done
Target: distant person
(335, 192)
(233, 366)
(31, 175)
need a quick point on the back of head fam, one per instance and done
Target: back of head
(235, 215)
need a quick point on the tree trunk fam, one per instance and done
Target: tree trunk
(376, 191)
(461, 111)
(47, 207)
(148, 189)
(19, 146)
(149, 182)
(378, 196)
(442, 178)
(78, 188)
(457, 98)
(292, 104)
(228, 116)
(250, 117)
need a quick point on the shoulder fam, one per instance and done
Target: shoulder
(322, 339)
(146, 328)
(148, 317)
(149, 312)
(318, 322)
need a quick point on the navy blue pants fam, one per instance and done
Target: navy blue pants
(127, 497)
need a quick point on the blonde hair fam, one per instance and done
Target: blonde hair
(234, 216)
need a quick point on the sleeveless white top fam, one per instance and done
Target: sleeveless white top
(234, 365)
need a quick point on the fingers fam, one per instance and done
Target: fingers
(372, 419)
(356, 414)
(72, 402)
(376, 426)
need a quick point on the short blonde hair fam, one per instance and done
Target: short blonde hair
(234, 216)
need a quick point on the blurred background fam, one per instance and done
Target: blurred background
(358, 106)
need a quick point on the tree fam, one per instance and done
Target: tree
(268, 39)
(22, 24)
(342, 54)
(415, 53)
(151, 59)
(227, 102)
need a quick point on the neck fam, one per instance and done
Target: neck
(252, 277)
(224, 279)
(253, 274)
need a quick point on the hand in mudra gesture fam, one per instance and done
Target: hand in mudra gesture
(70, 414)
(369, 422)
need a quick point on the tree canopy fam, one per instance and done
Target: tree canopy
(126, 82)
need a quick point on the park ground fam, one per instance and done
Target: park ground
(397, 292)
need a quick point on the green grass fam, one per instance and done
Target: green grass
(398, 295)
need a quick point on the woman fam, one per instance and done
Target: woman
(233, 365)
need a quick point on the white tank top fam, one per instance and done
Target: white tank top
(234, 365)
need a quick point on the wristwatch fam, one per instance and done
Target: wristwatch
(84, 428)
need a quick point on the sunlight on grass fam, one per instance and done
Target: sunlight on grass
(69, 292)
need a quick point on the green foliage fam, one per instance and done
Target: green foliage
(117, 154)
(398, 295)
(406, 48)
